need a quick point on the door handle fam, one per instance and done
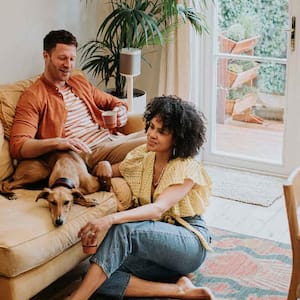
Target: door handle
(293, 34)
(292, 31)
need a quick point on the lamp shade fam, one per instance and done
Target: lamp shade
(130, 61)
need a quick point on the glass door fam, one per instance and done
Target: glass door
(252, 98)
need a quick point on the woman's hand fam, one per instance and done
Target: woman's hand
(103, 170)
(89, 232)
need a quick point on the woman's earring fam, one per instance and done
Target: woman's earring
(174, 151)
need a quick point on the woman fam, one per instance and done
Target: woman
(149, 250)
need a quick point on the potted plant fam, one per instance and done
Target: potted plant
(238, 99)
(241, 36)
(135, 24)
(233, 73)
(240, 71)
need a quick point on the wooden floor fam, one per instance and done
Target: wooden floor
(265, 222)
(262, 141)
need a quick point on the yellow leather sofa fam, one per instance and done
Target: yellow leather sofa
(34, 253)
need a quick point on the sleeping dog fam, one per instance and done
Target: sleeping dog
(69, 180)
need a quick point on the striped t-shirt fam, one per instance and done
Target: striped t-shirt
(79, 123)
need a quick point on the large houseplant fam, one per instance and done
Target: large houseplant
(135, 24)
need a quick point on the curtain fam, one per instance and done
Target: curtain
(174, 76)
(181, 65)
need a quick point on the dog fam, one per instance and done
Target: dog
(68, 182)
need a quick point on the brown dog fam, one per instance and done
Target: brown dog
(69, 181)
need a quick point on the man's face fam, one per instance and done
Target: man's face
(59, 63)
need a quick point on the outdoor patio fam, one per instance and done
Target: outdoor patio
(262, 141)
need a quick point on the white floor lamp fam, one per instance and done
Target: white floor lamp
(130, 66)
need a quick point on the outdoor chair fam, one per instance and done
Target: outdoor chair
(292, 200)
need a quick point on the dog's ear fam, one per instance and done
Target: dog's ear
(77, 194)
(44, 194)
(80, 199)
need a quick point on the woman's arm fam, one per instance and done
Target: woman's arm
(152, 211)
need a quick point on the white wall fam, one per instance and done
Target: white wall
(23, 25)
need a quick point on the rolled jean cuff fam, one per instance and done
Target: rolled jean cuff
(114, 286)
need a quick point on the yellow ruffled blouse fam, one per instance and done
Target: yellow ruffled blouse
(137, 169)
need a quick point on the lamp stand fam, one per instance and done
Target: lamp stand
(129, 80)
(130, 66)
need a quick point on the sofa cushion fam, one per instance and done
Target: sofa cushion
(1, 134)
(9, 96)
(29, 239)
(6, 165)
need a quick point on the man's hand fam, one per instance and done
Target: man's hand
(35, 147)
(73, 144)
(121, 115)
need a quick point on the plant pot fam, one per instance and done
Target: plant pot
(229, 79)
(246, 102)
(229, 106)
(237, 79)
(237, 106)
(230, 46)
(139, 100)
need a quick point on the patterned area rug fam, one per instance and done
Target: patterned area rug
(245, 186)
(241, 267)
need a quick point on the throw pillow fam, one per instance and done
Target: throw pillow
(6, 165)
(9, 96)
(123, 193)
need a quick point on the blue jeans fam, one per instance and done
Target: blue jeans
(151, 250)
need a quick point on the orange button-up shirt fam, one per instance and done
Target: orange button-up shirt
(41, 112)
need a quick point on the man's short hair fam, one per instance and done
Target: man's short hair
(59, 37)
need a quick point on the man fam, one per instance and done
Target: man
(61, 111)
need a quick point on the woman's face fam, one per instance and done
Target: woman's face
(159, 139)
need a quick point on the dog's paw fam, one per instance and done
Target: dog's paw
(94, 202)
(91, 202)
(9, 195)
(5, 187)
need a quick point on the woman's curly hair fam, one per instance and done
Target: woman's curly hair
(182, 119)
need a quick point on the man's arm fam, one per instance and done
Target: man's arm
(33, 147)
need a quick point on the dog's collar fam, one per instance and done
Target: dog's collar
(62, 181)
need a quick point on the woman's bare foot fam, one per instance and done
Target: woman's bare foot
(191, 292)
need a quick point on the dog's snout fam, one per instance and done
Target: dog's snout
(59, 222)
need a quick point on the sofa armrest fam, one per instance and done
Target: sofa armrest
(134, 123)
(1, 134)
